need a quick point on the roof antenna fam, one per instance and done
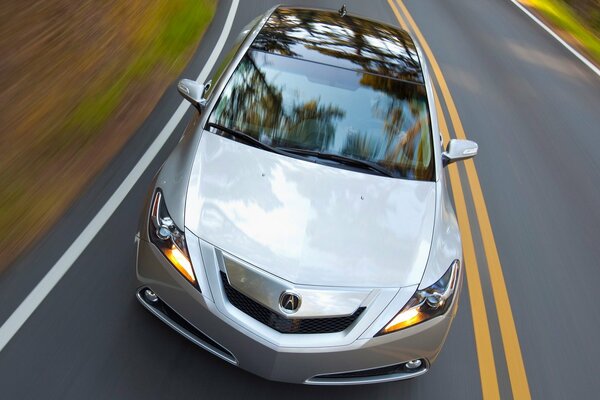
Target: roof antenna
(342, 11)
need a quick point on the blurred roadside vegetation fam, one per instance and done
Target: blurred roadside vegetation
(577, 20)
(78, 78)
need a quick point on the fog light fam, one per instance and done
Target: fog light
(150, 296)
(414, 364)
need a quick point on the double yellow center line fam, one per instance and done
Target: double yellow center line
(508, 331)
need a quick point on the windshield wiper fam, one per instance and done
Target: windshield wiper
(364, 164)
(247, 138)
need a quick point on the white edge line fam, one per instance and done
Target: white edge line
(10, 327)
(577, 54)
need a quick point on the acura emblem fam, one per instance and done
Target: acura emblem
(289, 302)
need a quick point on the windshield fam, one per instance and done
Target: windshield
(288, 103)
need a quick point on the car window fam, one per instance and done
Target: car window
(290, 103)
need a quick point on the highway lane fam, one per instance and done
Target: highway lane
(533, 109)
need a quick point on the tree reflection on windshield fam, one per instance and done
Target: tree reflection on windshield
(352, 43)
(255, 106)
(290, 103)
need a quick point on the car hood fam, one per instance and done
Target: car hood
(308, 223)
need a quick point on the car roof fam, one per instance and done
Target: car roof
(350, 42)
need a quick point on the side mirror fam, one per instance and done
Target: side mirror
(193, 92)
(458, 150)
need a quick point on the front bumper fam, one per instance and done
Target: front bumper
(198, 318)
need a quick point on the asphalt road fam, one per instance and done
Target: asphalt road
(533, 108)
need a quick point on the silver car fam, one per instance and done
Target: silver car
(302, 228)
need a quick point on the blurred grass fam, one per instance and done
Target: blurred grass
(78, 78)
(170, 38)
(578, 19)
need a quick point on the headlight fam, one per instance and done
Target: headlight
(169, 239)
(426, 303)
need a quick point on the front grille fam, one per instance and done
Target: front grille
(282, 324)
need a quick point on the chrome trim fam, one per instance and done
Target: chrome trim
(230, 358)
(267, 290)
(365, 380)
(289, 297)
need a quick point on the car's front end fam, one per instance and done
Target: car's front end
(352, 348)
